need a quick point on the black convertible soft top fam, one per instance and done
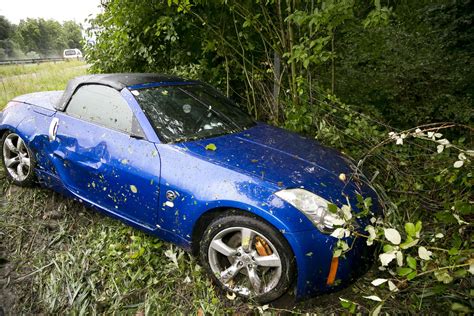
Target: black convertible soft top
(117, 81)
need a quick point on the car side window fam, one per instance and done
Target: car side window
(105, 106)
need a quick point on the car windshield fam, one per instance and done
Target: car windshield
(189, 112)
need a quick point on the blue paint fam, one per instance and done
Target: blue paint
(128, 178)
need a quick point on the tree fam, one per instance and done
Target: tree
(281, 56)
(48, 37)
(414, 67)
(6, 30)
(72, 34)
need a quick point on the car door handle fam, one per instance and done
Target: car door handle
(53, 129)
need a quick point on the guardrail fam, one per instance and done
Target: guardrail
(30, 61)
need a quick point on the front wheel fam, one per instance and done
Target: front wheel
(247, 256)
(18, 160)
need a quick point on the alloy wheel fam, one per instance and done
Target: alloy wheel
(245, 261)
(16, 157)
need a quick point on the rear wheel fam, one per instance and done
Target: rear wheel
(17, 158)
(247, 256)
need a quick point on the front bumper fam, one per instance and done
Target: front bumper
(314, 255)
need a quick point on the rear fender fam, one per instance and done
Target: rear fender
(13, 114)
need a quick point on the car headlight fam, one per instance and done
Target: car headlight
(314, 207)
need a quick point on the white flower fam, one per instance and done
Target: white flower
(439, 235)
(423, 253)
(371, 230)
(373, 298)
(392, 235)
(372, 235)
(347, 233)
(392, 287)
(386, 258)
(262, 309)
(460, 221)
(439, 149)
(338, 222)
(378, 282)
(343, 245)
(346, 210)
(458, 164)
(172, 256)
(338, 233)
(399, 141)
(399, 255)
(443, 141)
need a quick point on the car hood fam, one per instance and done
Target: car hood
(285, 159)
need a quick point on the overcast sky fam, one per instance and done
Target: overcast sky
(59, 10)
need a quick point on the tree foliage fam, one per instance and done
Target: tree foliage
(415, 68)
(38, 37)
(274, 54)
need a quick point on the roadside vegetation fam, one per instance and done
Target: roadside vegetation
(388, 83)
(20, 79)
(23, 69)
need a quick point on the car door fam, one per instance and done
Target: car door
(102, 156)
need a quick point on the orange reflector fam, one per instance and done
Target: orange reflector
(332, 271)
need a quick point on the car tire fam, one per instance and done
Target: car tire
(260, 266)
(17, 160)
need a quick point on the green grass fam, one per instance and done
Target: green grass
(15, 70)
(33, 78)
(62, 257)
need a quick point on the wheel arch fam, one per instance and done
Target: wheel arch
(3, 131)
(207, 217)
(5, 128)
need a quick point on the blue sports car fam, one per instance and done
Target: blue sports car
(180, 161)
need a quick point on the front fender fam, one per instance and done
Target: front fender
(198, 186)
